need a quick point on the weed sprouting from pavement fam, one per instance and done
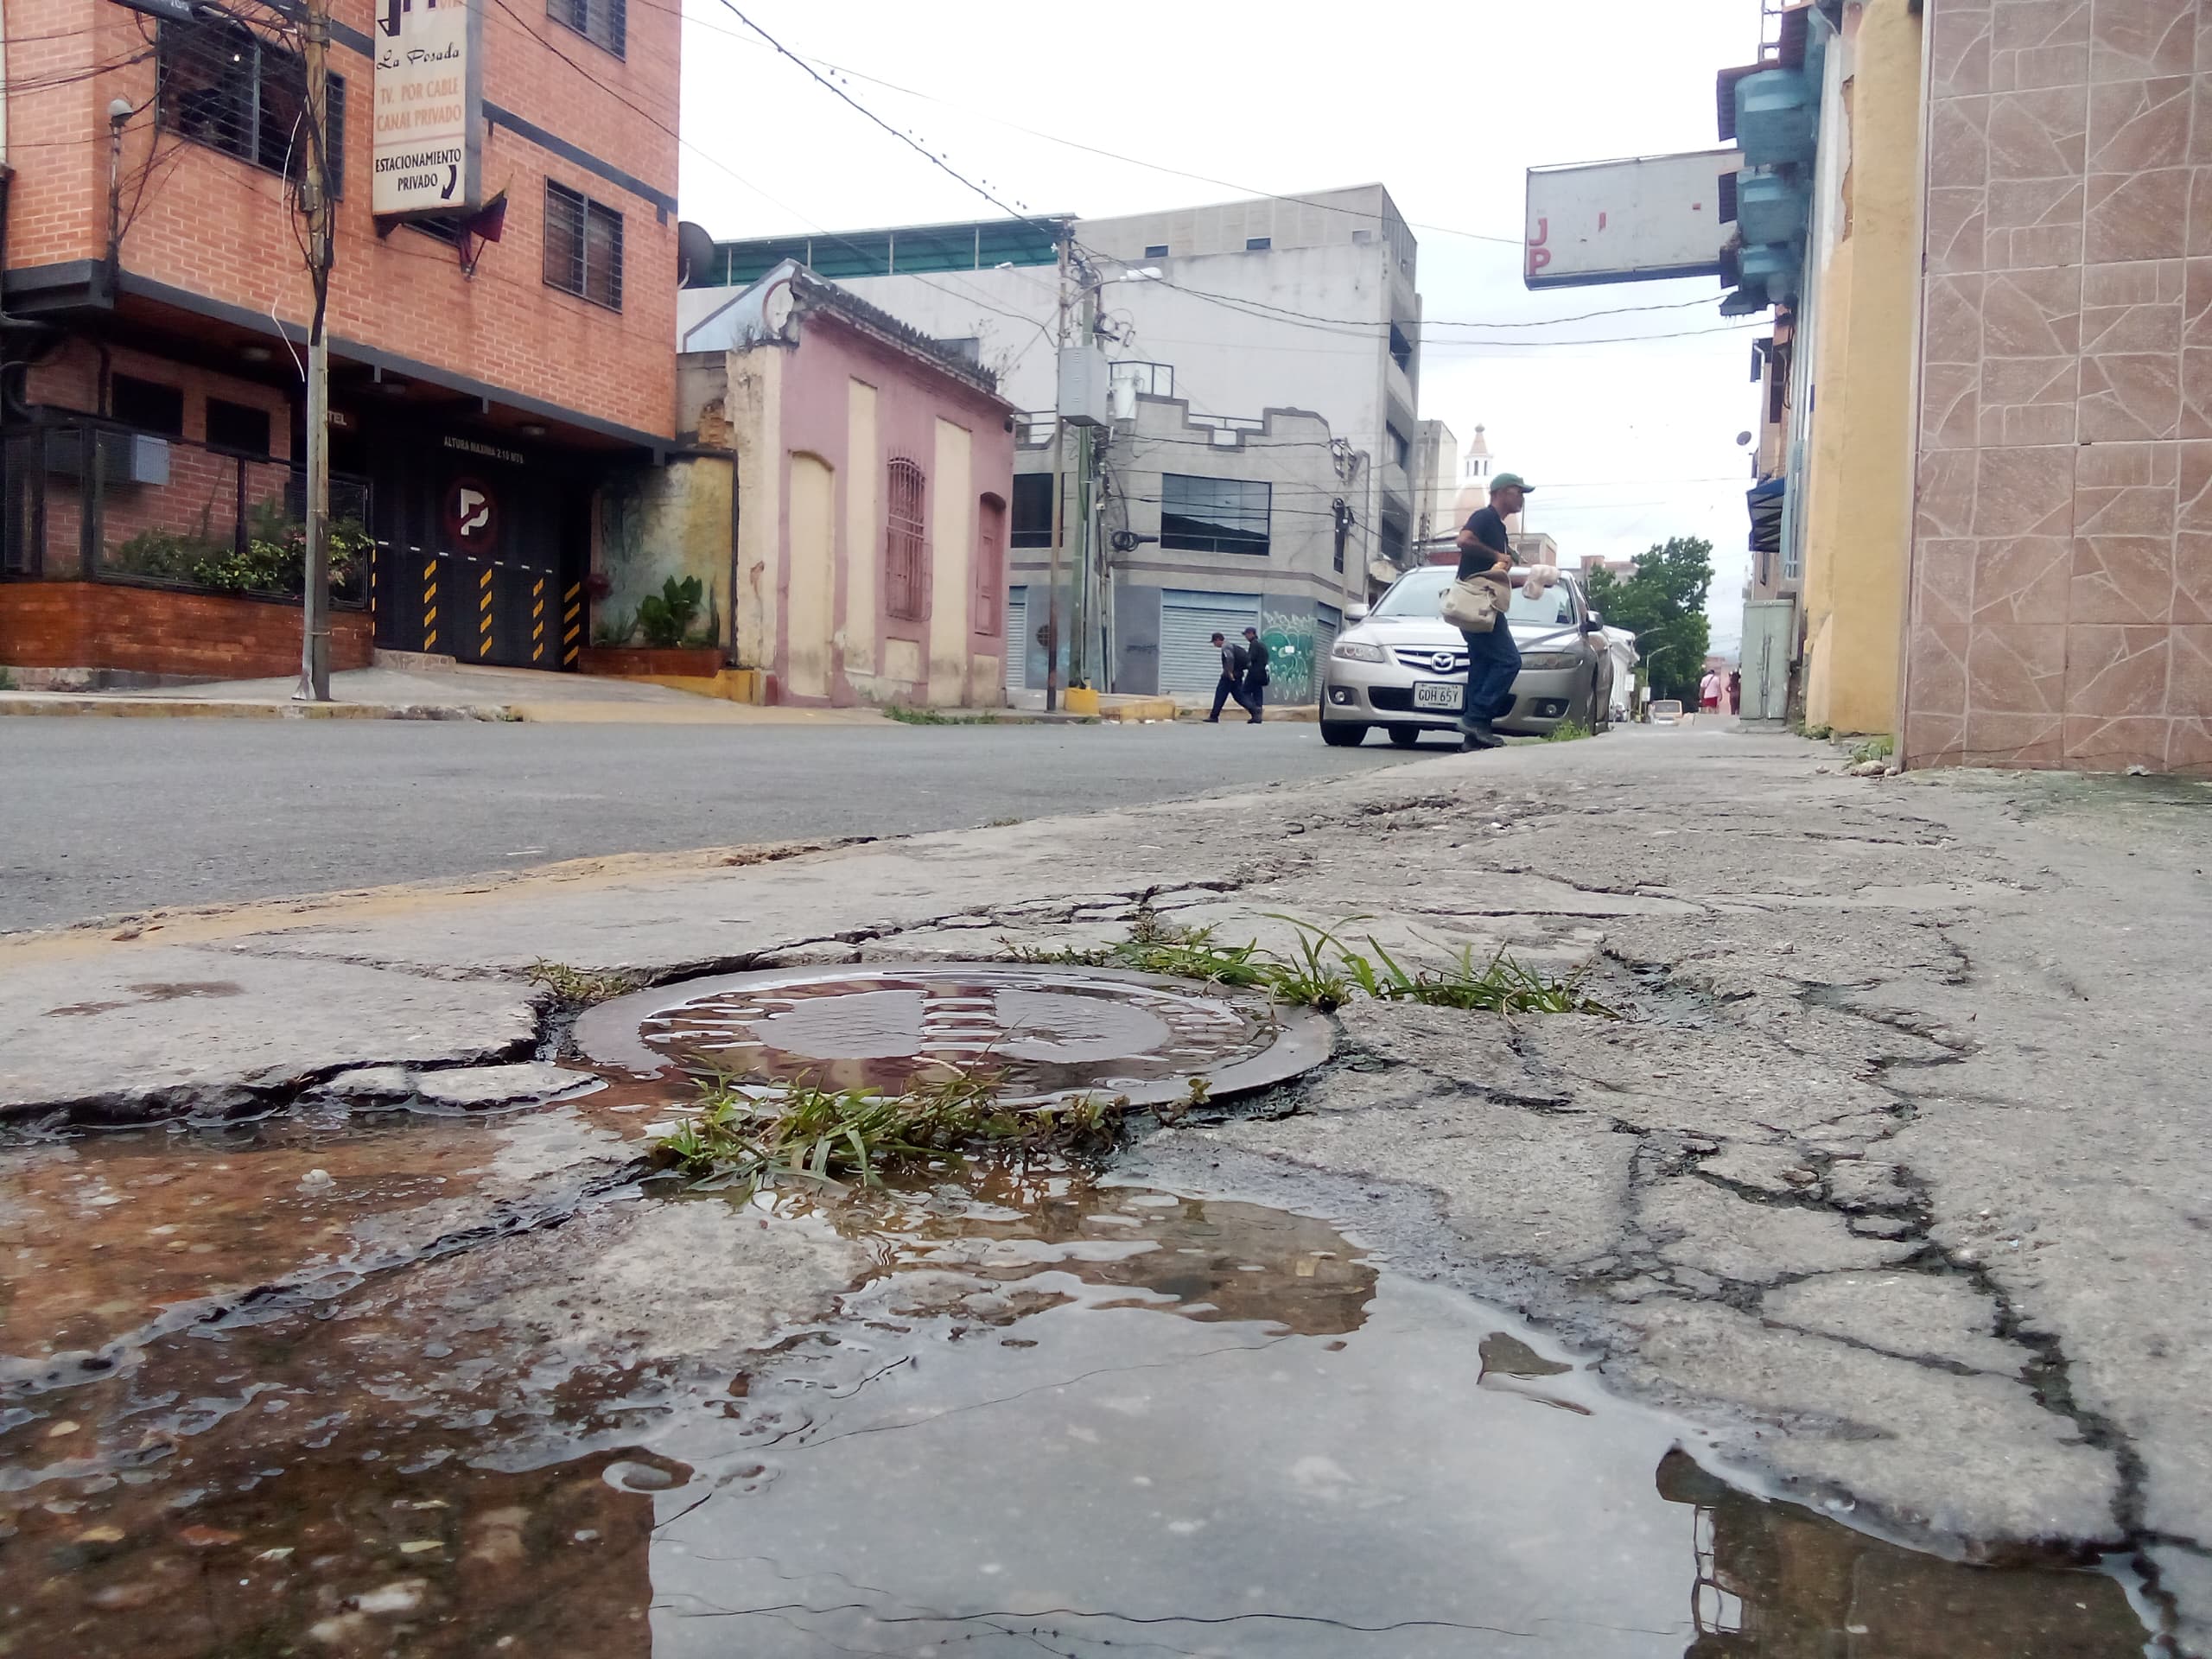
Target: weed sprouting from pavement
(1308, 978)
(1158, 947)
(1567, 731)
(1322, 971)
(580, 988)
(906, 717)
(749, 1142)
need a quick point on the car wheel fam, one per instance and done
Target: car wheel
(1405, 736)
(1343, 734)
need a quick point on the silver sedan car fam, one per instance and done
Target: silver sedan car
(1404, 668)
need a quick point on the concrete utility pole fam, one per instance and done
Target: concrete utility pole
(1085, 621)
(314, 203)
(1059, 493)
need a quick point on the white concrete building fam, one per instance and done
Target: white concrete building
(1206, 526)
(1304, 303)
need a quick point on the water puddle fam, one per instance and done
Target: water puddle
(1047, 1414)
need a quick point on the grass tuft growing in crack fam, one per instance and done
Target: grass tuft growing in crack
(1158, 947)
(906, 717)
(838, 1137)
(1498, 986)
(579, 987)
(1323, 972)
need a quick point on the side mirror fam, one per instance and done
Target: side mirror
(1355, 612)
(1594, 623)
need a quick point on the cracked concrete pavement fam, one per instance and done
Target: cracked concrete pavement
(1893, 1173)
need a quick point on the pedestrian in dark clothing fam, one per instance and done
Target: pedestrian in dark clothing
(1255, 672)
(1231, 683)
(1735, 690)
(1493, 660)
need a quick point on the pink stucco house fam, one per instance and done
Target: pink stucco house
(865, 560)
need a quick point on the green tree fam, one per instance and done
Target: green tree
(1664, 606)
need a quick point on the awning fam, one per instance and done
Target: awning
(1764, 500)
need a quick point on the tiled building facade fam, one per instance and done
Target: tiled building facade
(2061, 595)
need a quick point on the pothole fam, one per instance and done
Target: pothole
(1044, 1032)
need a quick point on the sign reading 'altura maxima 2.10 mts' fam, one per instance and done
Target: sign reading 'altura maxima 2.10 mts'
(429, 106)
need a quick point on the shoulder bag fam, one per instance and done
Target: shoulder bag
(1471, 604)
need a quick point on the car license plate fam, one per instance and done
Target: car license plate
(1438, 694)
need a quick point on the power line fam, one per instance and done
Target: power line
(1070, 144)
(1257, 308)
(662, 126)
(907, 139)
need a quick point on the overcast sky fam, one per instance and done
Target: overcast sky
(1445, 104)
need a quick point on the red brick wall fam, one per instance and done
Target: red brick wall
(219, 226)
(70, 379)
(153, 631)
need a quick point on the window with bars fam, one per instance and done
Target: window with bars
(583, 246)
(906, 552)
(990, 565)
(221, 84)
(603, 22)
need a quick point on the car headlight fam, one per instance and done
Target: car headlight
(1550, 659)
(1355, 650)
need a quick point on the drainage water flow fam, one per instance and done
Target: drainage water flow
(1012, 1411)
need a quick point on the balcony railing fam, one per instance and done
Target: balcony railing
(90, 501)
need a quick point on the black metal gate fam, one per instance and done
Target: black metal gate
(481, 554)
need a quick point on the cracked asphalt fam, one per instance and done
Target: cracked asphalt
(1893, 1174)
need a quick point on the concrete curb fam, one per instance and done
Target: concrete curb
(98, 706)
(1297, 712)
(707, 711)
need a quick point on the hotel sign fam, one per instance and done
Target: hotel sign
(429, 107)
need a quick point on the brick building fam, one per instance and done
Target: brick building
(156, 299)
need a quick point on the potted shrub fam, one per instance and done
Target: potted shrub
(667, 645)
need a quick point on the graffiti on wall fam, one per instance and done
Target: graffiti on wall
(1291, 672)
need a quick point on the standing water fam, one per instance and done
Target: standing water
(284, 1390)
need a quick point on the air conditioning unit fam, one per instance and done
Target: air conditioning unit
(125, 457)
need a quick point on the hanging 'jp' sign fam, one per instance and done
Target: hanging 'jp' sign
(429, 107)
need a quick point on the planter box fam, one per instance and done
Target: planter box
(113, 625)
(651, 663)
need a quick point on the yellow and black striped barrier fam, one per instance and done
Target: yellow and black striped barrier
(537, 618)
(484, 611)
(572, 623)
(429, 604)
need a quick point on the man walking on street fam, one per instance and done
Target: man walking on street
(1255, 673)
(1231, 683)
(1493, 660)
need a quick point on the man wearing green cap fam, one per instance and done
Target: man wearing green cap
(1493, 660)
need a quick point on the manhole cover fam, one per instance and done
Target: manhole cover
(1046, 1032)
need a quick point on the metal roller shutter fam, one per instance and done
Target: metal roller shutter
(1017, 639)
(1189, 664)
(1328, 622)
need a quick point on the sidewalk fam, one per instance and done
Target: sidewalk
(1892, 1180)
(467, 692)
(461, 692)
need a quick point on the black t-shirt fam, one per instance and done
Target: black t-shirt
(1489, 531)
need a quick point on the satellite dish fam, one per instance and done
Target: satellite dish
(695, 255)
(776, 307)
(1743, 438)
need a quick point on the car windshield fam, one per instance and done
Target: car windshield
(1420, 594)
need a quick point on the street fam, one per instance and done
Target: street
(1853, 1230)
(104, 817)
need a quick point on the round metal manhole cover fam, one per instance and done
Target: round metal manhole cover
(1044, 1032)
